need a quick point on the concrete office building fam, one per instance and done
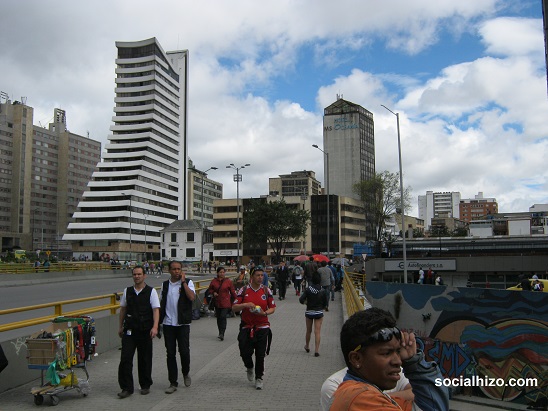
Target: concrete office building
(198, 183)
(43, 173)
(347, 228)
(349, 141)
(297, 183)
(140, 186)
(432, 205)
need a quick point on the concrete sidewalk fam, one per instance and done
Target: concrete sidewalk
(292, 380)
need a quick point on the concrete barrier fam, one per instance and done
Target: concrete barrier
(16, 280)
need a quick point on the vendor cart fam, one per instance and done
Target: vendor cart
(61, 353)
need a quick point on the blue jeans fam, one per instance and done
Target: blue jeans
(173, 336)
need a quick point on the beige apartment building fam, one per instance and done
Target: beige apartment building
(43, 173)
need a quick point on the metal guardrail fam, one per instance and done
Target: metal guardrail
(58, 307)
(354, 292)
(27, 268)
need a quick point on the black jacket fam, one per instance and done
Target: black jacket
(184, 305)
(315, 298)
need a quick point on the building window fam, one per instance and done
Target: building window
(173, 252)
(173, 237)
(190, 252)
(189, 238)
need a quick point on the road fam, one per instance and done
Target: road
(21, 296)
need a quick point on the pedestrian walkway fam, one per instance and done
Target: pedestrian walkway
(292, 380)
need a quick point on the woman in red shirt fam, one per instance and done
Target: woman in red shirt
(222, 291)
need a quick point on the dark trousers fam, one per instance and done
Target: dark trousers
(257, 345)
(282, 285)
(327, 289)
(221, 314)
(140, 341)
(177, 336)
(297, 283)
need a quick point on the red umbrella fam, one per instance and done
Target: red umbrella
(301, 257)
(320, 257)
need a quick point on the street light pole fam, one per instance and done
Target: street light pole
(146, 248)
(327, 192)
(202, 219)
(237, 179)
(130, 248)
(401, 197)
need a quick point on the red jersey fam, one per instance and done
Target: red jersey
(263, 298)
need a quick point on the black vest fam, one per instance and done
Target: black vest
(184, 305)
(139, 312)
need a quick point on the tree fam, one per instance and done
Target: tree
(381, 198)
(274, 223)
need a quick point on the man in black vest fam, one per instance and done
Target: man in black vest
(178, 293)
(139, 317)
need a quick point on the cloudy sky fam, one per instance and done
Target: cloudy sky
(468, 78)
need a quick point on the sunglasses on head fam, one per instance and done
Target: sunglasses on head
(383, 335)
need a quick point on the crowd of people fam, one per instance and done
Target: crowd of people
(379, 357)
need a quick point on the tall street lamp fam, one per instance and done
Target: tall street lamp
(326, 190)
(237, 179)
(204, 175)
(401, 197)
(146, 248)
(130, 249)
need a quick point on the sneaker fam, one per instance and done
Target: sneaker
(187, 380)
(221, 337)
(250, 374)
(171, 389)
(259, 383)
(145, 391)
(124, 394)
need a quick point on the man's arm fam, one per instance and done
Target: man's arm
(190, 294)
(156, 318)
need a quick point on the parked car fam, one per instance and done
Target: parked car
(518, 286)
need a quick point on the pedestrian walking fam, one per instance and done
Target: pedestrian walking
(316, 299)
(297, 278)
(178, 293)
(256, 303)
(222, 291)
(327, 280)
(282, 275)
(139, 317)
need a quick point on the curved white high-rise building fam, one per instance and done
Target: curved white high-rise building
(140, 184)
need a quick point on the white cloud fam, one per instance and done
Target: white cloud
(477, 125)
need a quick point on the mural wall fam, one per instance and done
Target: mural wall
(479, 332)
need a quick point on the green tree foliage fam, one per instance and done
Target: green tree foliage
(381, 198)
(274, 223)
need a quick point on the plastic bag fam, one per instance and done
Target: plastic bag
(51, 374)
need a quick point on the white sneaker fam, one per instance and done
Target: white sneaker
(250, 374)
(259, 384)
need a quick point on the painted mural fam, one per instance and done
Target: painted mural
(475, 332)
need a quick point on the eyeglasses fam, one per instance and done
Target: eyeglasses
(383, 335)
